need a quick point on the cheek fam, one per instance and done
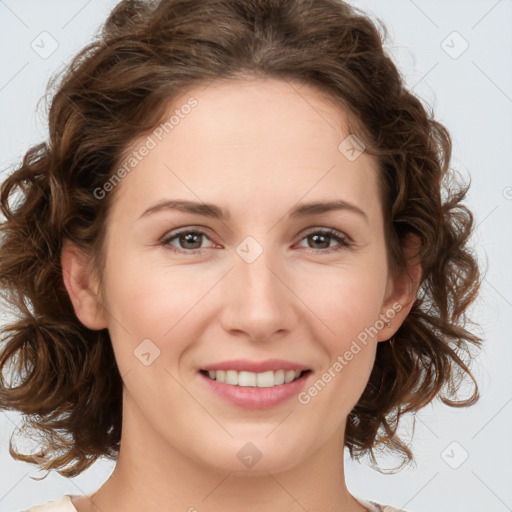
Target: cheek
(349, 309)
(348, 305)
(347, 299)
(161, 303)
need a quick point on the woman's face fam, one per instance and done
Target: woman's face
(259, 283)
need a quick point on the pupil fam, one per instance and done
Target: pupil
(324, 237)
(187, 239)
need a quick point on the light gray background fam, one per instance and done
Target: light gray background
(472, 96)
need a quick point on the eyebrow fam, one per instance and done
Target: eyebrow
(215, 212)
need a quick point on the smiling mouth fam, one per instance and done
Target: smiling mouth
(251, 379)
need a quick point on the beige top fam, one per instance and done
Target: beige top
(65, 504)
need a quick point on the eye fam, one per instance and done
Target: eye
(190, 241)
(325, 236)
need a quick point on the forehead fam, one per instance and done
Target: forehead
(279, 113)
(246, 141)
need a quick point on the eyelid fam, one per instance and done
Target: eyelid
(185, 229)
(329, 230)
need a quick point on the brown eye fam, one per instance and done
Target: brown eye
(324, 237)
(188, 240)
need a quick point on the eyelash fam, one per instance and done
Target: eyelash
(339, 237)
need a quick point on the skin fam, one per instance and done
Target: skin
(255, 148)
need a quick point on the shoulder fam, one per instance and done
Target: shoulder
(63, 504)
(373, 506)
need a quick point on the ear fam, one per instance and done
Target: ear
(401, 290)
(82, 286)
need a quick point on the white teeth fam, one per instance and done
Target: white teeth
(231, 377)
(247, 379)
(250, 379)
(290, 375)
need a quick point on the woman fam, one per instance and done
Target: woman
(232, 372)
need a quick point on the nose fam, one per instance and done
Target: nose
(258, 295)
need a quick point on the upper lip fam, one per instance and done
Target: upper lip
(256, 366)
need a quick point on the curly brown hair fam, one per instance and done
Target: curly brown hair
(64, 377)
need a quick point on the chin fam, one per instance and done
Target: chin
(254, 455)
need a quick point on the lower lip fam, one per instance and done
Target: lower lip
(249, 397)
